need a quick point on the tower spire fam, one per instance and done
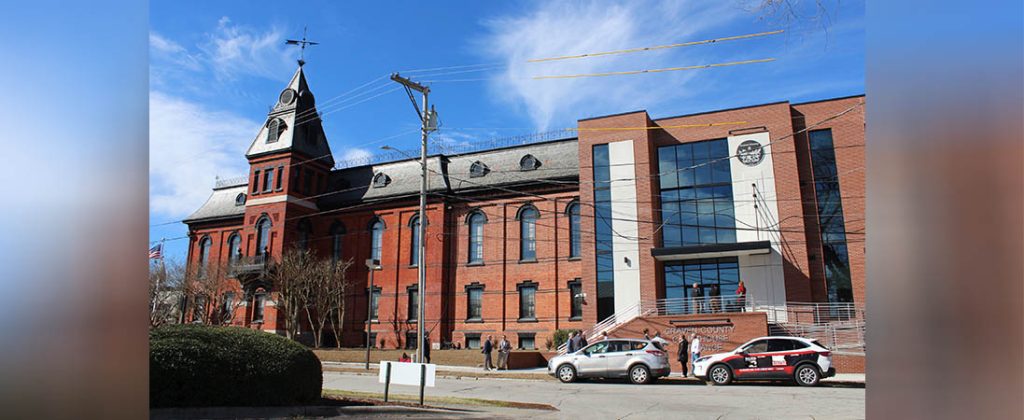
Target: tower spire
(302, 46)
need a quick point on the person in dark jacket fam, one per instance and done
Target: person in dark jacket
(697, 296)
(426, 349)
(716, 298)
(583, 339)
(487, 348)
(683, 349)
(571, 345)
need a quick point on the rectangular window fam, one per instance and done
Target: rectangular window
(410, 339)
(472, 341)
(256, 182)
(527, 302)
(374, 303)
(576, 299)
(527, 341)
(696, 194)
(307, 180)
(474, 298)
(414, 302)
(280, 176)
(257, 311)
(268, 180)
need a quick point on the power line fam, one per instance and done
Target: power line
(659, 47)
(621, 73)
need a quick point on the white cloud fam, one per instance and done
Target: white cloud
(564, 28)
(188, 146)
(239, 50)
(354, 153)
(166, 49)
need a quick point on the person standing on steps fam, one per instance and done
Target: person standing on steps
(741, 296)
(683, 344)
(487, 348)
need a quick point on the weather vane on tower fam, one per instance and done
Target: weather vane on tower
(302, 46)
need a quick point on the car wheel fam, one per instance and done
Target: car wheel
(639, 374)
(807, 375)
(566, 373)
(720, 374)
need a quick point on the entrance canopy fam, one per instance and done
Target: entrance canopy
(693, 252)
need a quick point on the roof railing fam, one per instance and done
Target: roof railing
(230, 182)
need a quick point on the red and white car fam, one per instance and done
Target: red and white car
(768, 358)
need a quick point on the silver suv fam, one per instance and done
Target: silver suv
(642, 361)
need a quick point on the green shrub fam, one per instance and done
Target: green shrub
(561, 336)
(199, 365)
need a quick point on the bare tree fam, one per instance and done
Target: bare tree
(323, 296)
(290, 280)
(166, 280)
(341, 283)
(205, 288)
(787, 13)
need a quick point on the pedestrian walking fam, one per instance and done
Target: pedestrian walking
(604, 335)
(697, 296)
(741, 296)
(426, 349)
(681, 356)
(570, 343)
(694, 348)
(487, 348)
(716, 299)
(504, 348)
(583, 339)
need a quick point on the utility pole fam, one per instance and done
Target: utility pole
(428, 118)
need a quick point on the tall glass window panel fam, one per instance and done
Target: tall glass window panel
(603, 258)
(574, 230)
(475, 297)
(476, 238)
(376, 237)
(830, 217)
(528, 234)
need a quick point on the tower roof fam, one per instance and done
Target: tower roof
(293, 125)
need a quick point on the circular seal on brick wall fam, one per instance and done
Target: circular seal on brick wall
(750, 153)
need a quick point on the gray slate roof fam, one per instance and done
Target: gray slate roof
(220, 205)
(559, 159)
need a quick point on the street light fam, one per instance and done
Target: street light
(372, 265)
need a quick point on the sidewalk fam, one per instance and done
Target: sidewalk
(541, 373)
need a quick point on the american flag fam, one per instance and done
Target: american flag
(156, 252)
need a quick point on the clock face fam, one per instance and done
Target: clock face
(287, 97)
(750, 153)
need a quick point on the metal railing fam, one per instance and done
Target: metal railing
(230, 182)
(621, 317)
(248, 264)
(700, 305)
(811, 313)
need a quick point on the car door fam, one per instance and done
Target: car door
(780, 358)
(592, 360)
(754, 361)
(617, 356)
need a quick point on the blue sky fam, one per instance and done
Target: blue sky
(216, 67)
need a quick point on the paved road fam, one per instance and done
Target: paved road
(619, 400)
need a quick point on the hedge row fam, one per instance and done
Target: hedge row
(198, 365)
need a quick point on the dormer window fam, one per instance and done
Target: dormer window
(381, 180)
(478, 169)
(240, 199)
(528, 163)
(274, 129)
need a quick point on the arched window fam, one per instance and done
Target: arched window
(414, 246)
(204, 253)
(274, 129)
(476, 222)
(376, 237)
(337, 234)
(262, 235)
(528, 233)
(381, 180)
(305, 232)
(234, 247)
(573, 211)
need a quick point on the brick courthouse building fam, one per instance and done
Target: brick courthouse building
(557, 234)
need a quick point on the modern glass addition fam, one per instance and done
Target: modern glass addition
(680, 278)
(528, 234)
(603, 233)
(696, 194)
(574, 230)
(830, 217)
(476, 237)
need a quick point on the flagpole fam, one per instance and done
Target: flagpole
(163, 272)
